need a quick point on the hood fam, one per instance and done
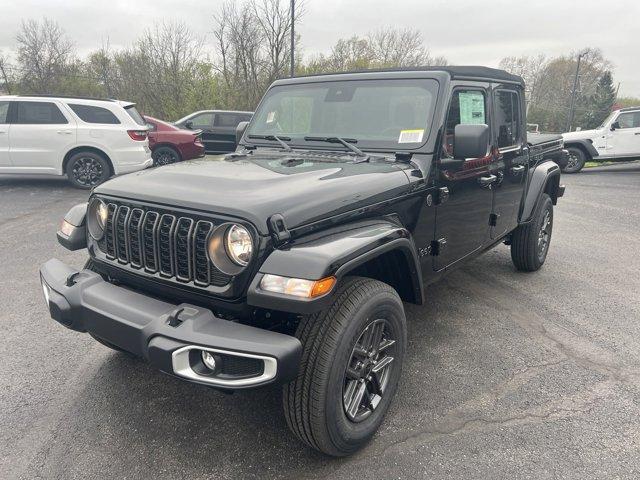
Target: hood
(581, 135)
(303, 189)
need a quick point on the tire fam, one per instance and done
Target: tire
(87, 169)
(576, 160)
(165, 156)
(314, 403)
(530, 242)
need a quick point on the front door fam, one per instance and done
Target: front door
(223, 136)
(204, 123)
(624, 140)
(510, 162)
(462, 216)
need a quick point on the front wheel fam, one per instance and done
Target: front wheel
(351, 364)
(576, 160)
(530, 242)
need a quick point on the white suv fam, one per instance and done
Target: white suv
(88, 140)
(617, 138)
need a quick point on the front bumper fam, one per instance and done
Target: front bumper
(165, 334)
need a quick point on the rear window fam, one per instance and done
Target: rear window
(91, 114)
(39, 113)
(133, 113)
(4, 111)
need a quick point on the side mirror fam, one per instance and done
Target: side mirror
(614, 126)
(188, 124)
(242, 126)
(470, 141)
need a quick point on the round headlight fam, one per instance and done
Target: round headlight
(97, 218)
(239, 245)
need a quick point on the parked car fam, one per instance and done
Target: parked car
(289, 261)
(218, 128)
(618, 138)
(86, 139)
(170, 144)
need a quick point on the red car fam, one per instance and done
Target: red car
(170, 144)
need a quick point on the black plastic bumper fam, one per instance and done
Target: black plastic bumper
(156, 330)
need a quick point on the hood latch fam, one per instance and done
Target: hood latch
(278, 229)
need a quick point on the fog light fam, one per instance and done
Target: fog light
(46, 291)
(209, 360)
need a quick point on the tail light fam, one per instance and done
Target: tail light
(138, 135)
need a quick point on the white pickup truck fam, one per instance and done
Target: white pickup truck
(617, 138)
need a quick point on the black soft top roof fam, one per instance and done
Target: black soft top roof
(457, 71)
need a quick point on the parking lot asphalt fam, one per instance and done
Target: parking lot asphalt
(508, 375)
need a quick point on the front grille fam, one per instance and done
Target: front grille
(173, 246)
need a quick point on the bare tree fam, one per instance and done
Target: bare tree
(44, 54)
(531, 69)
(4, 72)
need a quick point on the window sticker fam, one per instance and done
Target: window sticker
(411, 136)
(471, 108)
(271, 116)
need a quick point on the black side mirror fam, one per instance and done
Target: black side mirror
(188, 124)
(470, 141)
(242, 126)
(615, 125)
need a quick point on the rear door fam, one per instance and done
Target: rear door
(41, 133)
(204, 122)
(624, 141)
(462, 216)
(5, 159)
(510, 159)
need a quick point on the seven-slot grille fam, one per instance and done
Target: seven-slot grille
(157, 242)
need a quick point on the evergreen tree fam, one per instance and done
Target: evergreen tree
(599, 105)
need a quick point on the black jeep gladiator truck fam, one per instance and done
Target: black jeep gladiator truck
(288, 261)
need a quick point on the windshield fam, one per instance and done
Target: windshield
(606, 120)
(385, 114)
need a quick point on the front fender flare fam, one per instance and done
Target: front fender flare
(586, 145)
(545, 177)
(337, 252)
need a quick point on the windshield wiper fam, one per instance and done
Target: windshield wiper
(347, 142)
(275, 138)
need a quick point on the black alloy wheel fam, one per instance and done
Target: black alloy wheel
(87, 169)
(165, 156)
(575, 161)
(367, 373)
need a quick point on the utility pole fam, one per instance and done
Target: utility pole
(293, 37)
(573, 93)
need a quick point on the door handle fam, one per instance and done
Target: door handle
(487, 181)
(637, 133)
(517, 170)
(64, 132)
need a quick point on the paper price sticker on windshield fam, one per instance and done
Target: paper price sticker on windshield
(271, 116)
(410, 136)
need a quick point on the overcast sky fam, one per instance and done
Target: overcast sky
(465, 31)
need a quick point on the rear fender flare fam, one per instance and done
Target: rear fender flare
(545, 178)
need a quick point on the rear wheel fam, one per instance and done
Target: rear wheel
(87, 169)
(530, 242)
(165, 156)
(576, 160)
(351, 364)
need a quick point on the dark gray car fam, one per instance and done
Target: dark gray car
(218, 128)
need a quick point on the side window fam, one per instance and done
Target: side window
(91, 114)
(227, 120)
(4, 112)
(39, 113)
(152, 126)
(204, 120)
(468, 107)
(507, 108)
(629, 120)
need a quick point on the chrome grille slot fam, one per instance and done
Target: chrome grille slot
(110, 243)
(163, 244)
(121, 234)
(149, 249)
(182, 236)
(201, 263)
(166, 244)
(134, 230)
